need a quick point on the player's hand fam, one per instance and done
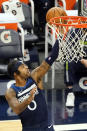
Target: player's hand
(84, 62)
(32, 92)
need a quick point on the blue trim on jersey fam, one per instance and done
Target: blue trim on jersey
(18, 89)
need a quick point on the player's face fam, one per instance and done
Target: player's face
(24, 71)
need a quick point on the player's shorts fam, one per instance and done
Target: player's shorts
(49, 128)
(73, 72)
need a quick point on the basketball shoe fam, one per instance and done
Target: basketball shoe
(70, 99)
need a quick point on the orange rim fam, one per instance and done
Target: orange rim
(75, 21)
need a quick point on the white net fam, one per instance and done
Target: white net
(72, 40)
(72, 46)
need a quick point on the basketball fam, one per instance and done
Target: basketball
(55, 12)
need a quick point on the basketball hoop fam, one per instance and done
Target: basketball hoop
(71, 32)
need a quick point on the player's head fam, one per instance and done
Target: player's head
(18, 69)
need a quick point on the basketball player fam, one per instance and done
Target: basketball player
(25, 97)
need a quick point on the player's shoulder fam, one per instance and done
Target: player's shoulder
(10, 92)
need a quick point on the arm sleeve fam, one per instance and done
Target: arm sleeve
(54, 54)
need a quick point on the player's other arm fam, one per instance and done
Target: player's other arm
(40, 71)
(13, 102)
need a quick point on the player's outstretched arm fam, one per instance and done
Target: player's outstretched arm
(13, 102)
(40, 71)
